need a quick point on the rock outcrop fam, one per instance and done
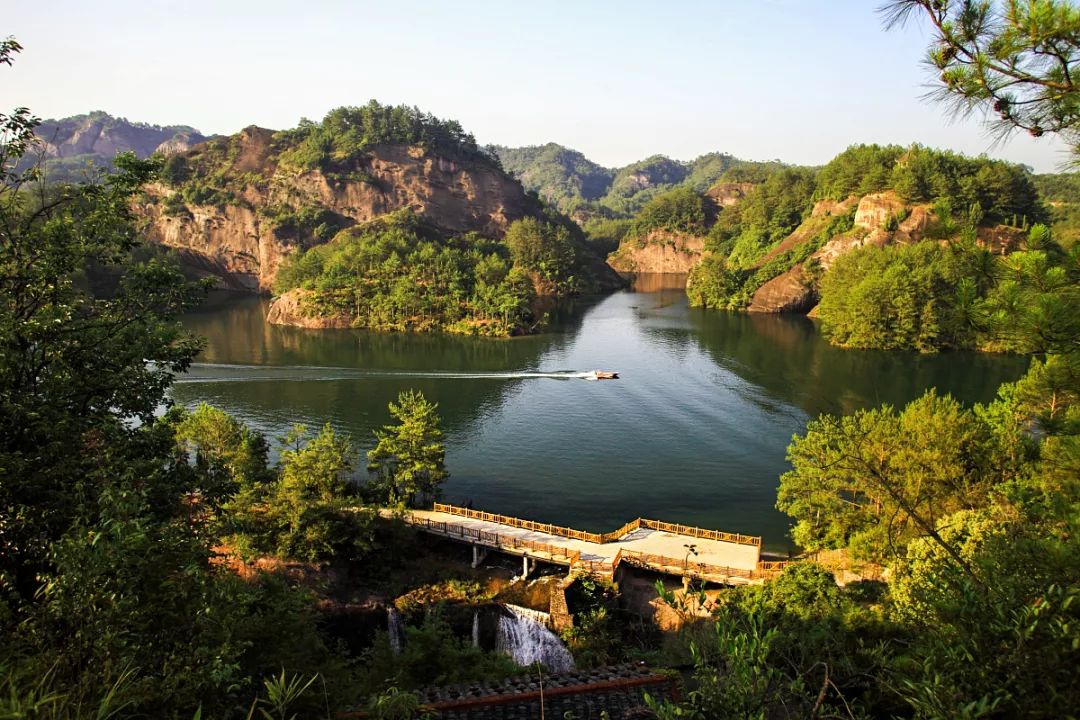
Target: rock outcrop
(880, 219)
(727, 194)
(246, 245)
(289, 309)
(103, 135)
(659, 251)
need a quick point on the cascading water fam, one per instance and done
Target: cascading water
(528, 642)
(395, 628)
(476, 628)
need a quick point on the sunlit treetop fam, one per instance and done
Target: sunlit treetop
(1014, 60)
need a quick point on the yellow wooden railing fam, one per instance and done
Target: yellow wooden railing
(572, 558)
(496, 540)
(626, 529)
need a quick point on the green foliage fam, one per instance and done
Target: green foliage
(595, 638)
(310, 509)
(898, 297)
(396, 274)
(110, 602)
(928, 297)
(547, 249)
(874, 480)
(1035, 305)
(1015, 61)
(282, 694)
(768, 214)
(394, 704)
(432, 655)
(76, 370)
(408, 460)
(309, 221)
(919, 174)
(744, 241)
(1061, 193)
(797, 647)
(717, 283)
(605, 235)
(575, 185)
(347, 133)
(565, 178)
(229, 458)
(679, 210)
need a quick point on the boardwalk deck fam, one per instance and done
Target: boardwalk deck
(662, 547)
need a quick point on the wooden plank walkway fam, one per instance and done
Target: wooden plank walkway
(720, 557)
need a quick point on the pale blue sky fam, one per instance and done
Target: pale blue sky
(797, 80)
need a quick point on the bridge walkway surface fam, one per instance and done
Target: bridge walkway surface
(669, 548)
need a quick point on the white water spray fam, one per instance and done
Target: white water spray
(528, 642)
(395, 628)
(221, 372)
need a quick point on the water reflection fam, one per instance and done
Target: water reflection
(695, 431)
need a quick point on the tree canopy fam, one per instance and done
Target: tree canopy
(408, 462)
(1015, 61)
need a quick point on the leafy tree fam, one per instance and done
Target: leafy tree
(896, 297)
(109, 599)
(547, 249)
(875, 480)
(229, 457)
(1015, 61)
(310, 510)
(432, 655)
(80, 376)
(346, 133)
(408, 460)
(798, 647)
(396, 273)
(679, 210)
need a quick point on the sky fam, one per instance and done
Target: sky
(794, 80)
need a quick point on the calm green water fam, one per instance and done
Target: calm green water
(694, 432)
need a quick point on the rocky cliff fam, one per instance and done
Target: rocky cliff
(659, 251)
(103, 135)
(880, 219)
(268, 209)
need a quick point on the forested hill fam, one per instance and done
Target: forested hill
(587, 191)
(74, 144)
(385, 203)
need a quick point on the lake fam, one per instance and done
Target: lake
(694, 431)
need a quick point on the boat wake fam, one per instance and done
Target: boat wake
(221, 372)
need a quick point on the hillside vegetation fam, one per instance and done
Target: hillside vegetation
(800, 223)
(397, 273)
(429, 211)
(587, 191)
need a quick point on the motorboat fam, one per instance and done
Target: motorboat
(605, 375)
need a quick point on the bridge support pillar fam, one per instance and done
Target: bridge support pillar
(524, 567)
(478, 555)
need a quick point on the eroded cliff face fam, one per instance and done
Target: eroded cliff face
(247, 246)
(727, 194)
(101, 134)
(291, 308)
(660, 251)
(880, 219)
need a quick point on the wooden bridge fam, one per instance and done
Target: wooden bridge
(669, 548)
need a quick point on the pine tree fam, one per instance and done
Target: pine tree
(408, 461)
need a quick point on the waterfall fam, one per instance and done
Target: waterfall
(395, 629)
(476, 628)
(527, 642)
